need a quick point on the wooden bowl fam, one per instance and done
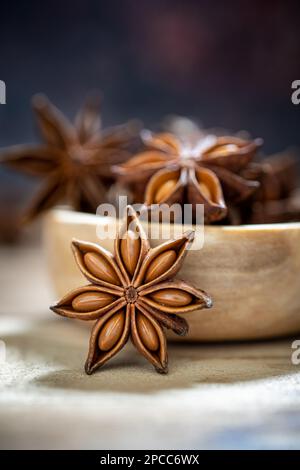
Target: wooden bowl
(252, 273)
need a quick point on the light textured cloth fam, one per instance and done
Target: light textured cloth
(216, 396)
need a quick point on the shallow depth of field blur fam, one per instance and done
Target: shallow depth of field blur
(227, 65)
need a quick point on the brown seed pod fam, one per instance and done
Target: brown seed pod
(88, 301)
(172, 297)
(130, 250)
(111, 331)
(209, 172)
(75, 159)
(159, 265)
(99, 267)
(131, 295)
(147, 332)
(164, 190)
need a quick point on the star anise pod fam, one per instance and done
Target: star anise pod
(277, 175)
(273, 212)
(132, 294)
(275, 200)
(75, 159)
(206, 173)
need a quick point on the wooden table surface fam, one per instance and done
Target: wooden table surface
(223, 396)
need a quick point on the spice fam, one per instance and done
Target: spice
(74, 161)
(207, 173)
(276, 200)
(132, 294)
(272, 212)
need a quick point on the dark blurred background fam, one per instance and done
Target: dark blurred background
(227, 64)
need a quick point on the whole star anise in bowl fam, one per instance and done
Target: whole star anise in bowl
(277, 199)
(74, 161)
(132, 294)
(207, 172)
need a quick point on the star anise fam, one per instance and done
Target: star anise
(204, 173)
(75, 159)
(273, 212)
(275, 200)
(277, 175)
(132, 294)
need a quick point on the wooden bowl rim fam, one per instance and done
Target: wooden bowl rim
(68, 216)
